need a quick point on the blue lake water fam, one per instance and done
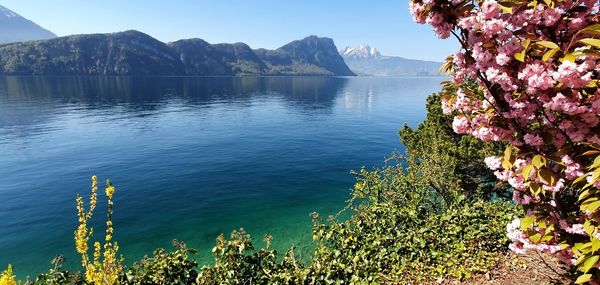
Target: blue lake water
(190, 157)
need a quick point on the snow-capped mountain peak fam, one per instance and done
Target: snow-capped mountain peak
(361, 51)
(7, 13)
(14, 28)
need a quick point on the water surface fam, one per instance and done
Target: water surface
(191, 157)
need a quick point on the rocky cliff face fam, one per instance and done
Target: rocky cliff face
(318, 52)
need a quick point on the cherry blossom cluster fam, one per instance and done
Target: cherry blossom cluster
(527, 74)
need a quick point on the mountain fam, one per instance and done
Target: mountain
(129, 52)
(365, 60)
(360, 52)
(311, 55)
(135, 53)
(14, 28)
(201, 58)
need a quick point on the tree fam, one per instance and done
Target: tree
(535, 66)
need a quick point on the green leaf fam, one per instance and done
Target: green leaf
(547, 238)
(542, 225)
(592, 207)
(589, 263)
(527, 222)
(595, 244)
(580, 178)
(520, 56)
(508, 160)
(550, 54)
(596, 163)
(592, 29)
(584, 194)
(505, 10)
(536, 238)
(526, 171)
(547, 44)
(535, 188)
(589, 228)
(538, 161)
(550, 3)
(583, 278)
(547, 176)
(571, 56)
(592, 42)
(532, 3)
(580, 259)
(596, 175)
(446, 67)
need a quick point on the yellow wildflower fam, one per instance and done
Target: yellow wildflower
(7, 277)
(110, 190)
(103, 268)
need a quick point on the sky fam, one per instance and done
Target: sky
(383, 24)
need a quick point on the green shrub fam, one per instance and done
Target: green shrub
(164, 268)
(57, 275)
(403, 237)
(236, 262)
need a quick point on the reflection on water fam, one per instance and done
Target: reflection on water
(191, 157)
(151, 94)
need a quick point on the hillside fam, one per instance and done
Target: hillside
(128, 52)
(135, 53)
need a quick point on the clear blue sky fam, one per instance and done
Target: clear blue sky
(383, 24)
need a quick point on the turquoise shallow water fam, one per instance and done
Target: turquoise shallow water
(190, 157)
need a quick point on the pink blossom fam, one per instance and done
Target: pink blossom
(533, 140)
(460, 125)
(574, 228)
(517, 182)
(494, 26)
(446, 109)
(559, 185)
(550, 16)
(416, 10)
(490, 8)
(537, 76)
(572, 75)
(493, 162)
(466, 22)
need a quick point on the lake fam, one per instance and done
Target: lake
(190, 157)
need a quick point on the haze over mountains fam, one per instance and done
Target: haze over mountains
(364, 60)
(14, 28)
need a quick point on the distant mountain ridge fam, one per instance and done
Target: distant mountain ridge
(135, 53)
(14, 28)
(364, 60)
(360, 52)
